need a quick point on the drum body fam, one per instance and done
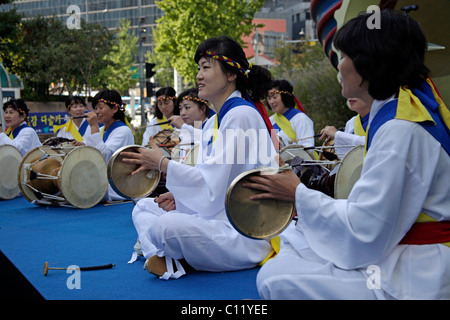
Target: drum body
(256, 219)
(348, 172)
(119, 175)
(294, 150)
(68, 176)
(10, 159)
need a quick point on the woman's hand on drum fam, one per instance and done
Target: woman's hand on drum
(147, 159)
(77, 143)
(176, 121)
(166, 201)
(280, 186)
(328, 133)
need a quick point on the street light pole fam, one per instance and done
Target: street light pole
(141, 67)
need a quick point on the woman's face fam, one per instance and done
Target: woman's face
(351, 82)
(13, 118)
(213, 83)
(105, 114)
(166, 106)
(275, 102)
(191, 112)
(76, 109)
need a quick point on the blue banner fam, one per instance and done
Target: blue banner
(43, 122)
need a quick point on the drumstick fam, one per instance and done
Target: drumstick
(68, 118)
(106, 266)
(157, 124)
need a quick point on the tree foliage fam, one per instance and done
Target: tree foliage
(315, 83)
(119, 73)
(187, 23)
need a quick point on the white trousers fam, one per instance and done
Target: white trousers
(302, 275)
(208, 245)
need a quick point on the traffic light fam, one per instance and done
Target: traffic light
(149, 73)
(149, 70)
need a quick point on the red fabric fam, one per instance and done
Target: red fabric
(298, 105)
(263, 112)
(428, 233)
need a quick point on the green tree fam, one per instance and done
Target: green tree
(119, 73)
(187, 23)
(315, 83)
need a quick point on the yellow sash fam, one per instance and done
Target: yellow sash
(70, 127)
(164, 126)
(410, 108)
(285, 125)
(9, 133)
(275, 242)
(358, 127)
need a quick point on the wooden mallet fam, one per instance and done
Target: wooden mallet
(106, 266)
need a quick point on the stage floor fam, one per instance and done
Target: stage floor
(31, 235)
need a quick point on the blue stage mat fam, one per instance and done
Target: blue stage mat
(31, 235)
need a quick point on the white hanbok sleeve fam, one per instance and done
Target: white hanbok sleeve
(26, 140)
(202, 188)
(150, 131)
(304, 127)
(399, 180)
(119, 137)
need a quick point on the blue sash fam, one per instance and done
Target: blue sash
(289, 114)
(83, 127)
(17, 130)
(388, 112)
(228, 105)
(115, 125)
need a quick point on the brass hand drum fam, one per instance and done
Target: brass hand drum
(257, 219)
(126, 185)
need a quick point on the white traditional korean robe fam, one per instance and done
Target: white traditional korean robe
(198, 230)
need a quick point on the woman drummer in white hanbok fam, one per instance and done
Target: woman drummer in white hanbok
(166, 107)
(289, 116)
(389, 239)
(116, 132)
(354, 133)
(18, 132)
(197, 229)
(194, 113)
(75, 128)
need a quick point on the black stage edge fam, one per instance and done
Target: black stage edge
(13, 285)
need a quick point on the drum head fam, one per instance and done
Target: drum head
(288, 153)
(83, 177)
(256, 219)
(126, 185)
(24, 171)
(10, 159)
(348, 172)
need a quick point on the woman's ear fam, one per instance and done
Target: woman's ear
(232, 77)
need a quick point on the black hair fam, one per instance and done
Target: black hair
(389, 57)
(74, 99)
(112, 97)
(283, 85)
(259, 78)
(19, 105)
(168, 92)
(194, 93)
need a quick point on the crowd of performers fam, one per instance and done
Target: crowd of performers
(395, 218)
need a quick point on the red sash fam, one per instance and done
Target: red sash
(428, 233)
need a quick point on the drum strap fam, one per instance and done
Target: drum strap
(425, 107)
(282, 122)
